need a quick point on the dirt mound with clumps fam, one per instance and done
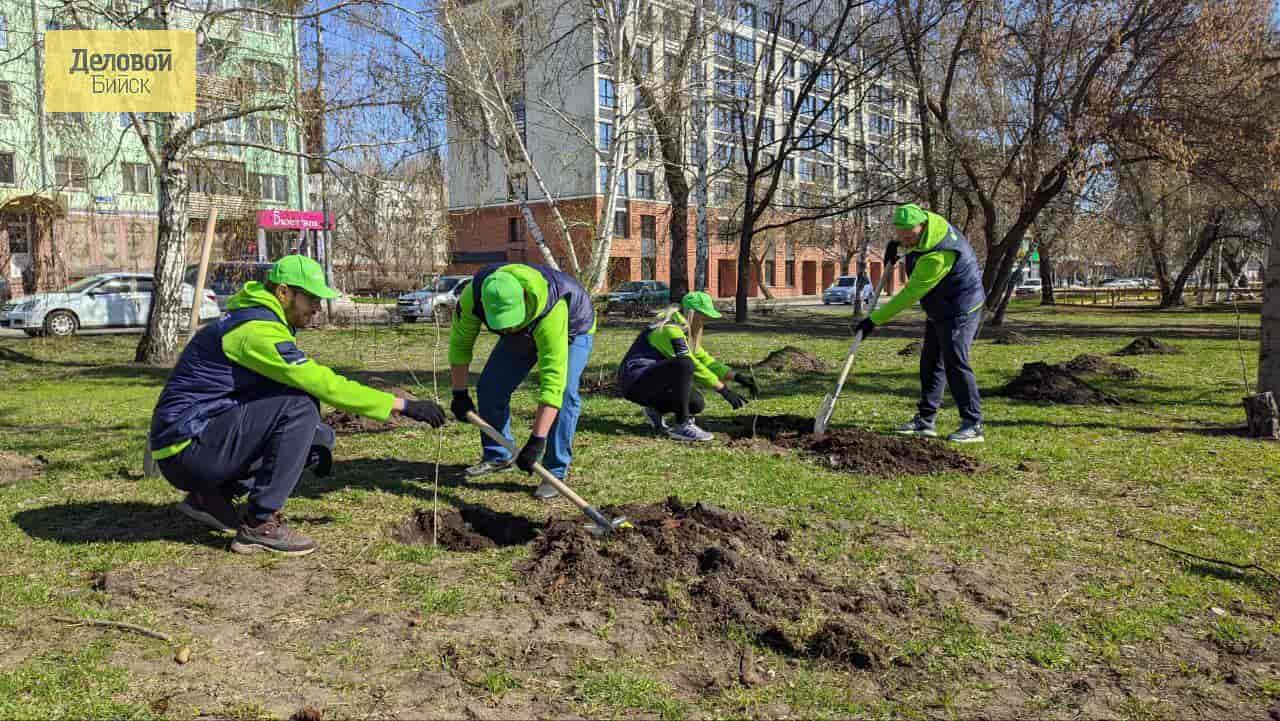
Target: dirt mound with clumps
(1000, 336)
(911, 349)
(473, 528)
(15, 468)
(1055, 384)
(605, 384)
(1146, 345)
(1087, 364)
(344, 423)
(790, 359)
(853, 449)
(713, 568)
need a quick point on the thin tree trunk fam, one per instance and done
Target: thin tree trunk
(864, 249)
(159, 345)
(1208, 236)
(1048, 275)
(1269, 349)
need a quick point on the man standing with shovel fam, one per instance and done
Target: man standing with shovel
(944, 275)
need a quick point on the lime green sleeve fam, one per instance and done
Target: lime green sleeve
(670, 341)
(267, 348)
(551, 336)
(929, 271)
(464, 331)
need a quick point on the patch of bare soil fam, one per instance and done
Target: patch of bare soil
(1146, 345)
(911, 349)
(854, 449)
(790, 359)
(473, 528)
(714, 568)
(344, 423)
(1001, 336)
(1055, 384)
(600, 384)
(1087, 364)
(15, 468)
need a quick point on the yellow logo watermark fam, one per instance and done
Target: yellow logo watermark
(117, 71)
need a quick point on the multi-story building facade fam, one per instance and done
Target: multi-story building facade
(802, 260)
(77, 191)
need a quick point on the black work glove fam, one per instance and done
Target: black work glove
(425, 412)
(732, 398)
(531, 453)
(461, 405)
(891, 253)
(748, 381)
(866, 327)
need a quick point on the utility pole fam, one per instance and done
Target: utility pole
(322, 150)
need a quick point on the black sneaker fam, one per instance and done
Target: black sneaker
(271, 535)
(211, 509)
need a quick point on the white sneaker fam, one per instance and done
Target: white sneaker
(484, 468)
(689, 432)
(545, 491)
(655, 419)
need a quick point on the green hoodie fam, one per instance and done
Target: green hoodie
(929, 270)
(269, 349)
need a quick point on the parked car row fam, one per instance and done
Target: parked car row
(638, 296)
(107, 300)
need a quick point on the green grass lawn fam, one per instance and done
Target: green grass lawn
(1085, 621)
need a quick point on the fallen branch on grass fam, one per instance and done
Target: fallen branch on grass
(114, 624)
(1206, 559)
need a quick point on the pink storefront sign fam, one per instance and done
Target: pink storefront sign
(292, 220)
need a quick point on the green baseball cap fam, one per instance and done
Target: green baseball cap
(299, 271)
(701, 302)
(503, 300)
(908, 216)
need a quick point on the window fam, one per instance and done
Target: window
(621, 223)
(4, 32)
(70, 172)
(622, 184)
(604, 179)
(789, 29)
(646, 20)
(747, 14)
(844, 148)
(824, 173)
(270, 187)
(770, 273)
(671, 26)
(825, 79)
(644, 185)
(515, 234)
(644, 58)
(844, 116)
(608, 94)
(788, 67)
(266, 131)
(644, 146)
(791, 263)
(78, 119)
(768, 20)
(606, 137)
(789, 167)
(648, 247)
(788, 99)
(770, 131)
(217, 177)
(266, 75)
(7, 174)
(602, 50)
(827, 146)
(517, 186)
(807, 174)
(19, 242)
(137, 177)
(6, 99)
(844, 178)
(261, 21)
(115, 285)
(723, 154)
(209, 55)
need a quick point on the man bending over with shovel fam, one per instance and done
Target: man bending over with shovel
(544, 317)
(945, 277)
(240, 413)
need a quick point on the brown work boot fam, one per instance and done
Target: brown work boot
(270, 535)
(211, 509)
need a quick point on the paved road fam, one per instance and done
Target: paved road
(10, 333)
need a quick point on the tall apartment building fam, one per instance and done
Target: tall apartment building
(78, 187)
(486, 221)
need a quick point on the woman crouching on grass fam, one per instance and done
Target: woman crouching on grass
(665, 361)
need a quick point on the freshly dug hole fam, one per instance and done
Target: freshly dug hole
(1044, 382)
(344, 423)
(1146, 345)
(599, 384)
(854, 449)
(471, 529)
(15, 468)
(790, 359)
(708, 566)
(1089, 364)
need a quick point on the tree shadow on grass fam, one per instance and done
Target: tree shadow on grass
(406, 478)
(1252, 578)
(114, 522)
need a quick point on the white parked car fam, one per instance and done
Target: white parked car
(438, 299)
(108, 300)
(1029, 286)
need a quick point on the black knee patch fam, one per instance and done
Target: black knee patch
(697, 403)
(320, 458)
(684, 363)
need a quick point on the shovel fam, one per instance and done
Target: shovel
(601, 524)
(828, 406)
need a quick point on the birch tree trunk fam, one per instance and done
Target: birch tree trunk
(159, 345)
(1269, 350)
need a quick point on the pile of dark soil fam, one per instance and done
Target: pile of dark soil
(600, 384)
(1001, 336)
(1146, 345)
(1087, 364)
(473, 528)
(15, 468)
(707, 566)
(790, 359)
(911, 349)
(854, 449)
(1055, 384)
(343, 423)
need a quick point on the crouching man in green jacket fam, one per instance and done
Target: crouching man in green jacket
(240, 413)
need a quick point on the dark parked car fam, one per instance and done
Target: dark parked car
(226, 279)
(638, 296)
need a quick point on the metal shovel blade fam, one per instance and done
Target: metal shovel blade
(825, 411)
(602, 525)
